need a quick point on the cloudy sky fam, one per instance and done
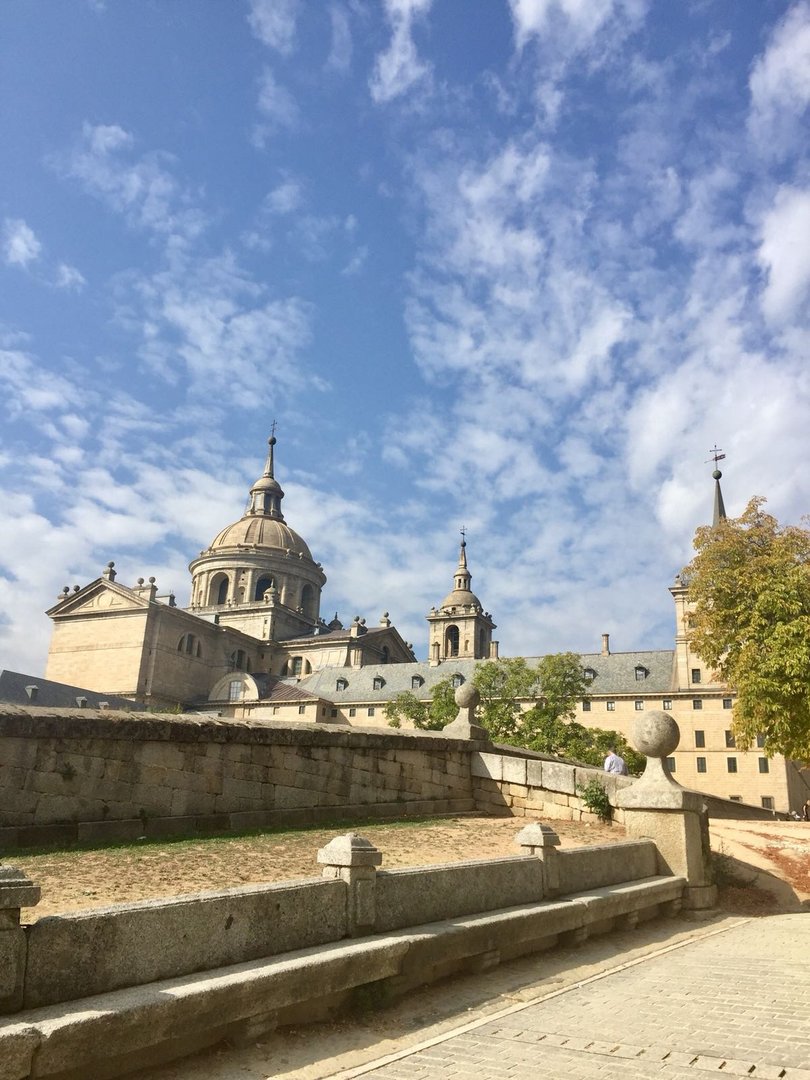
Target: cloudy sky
(512, 264)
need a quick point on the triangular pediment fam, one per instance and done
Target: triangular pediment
(98, 597)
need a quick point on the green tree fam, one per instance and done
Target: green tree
(503, 684)
(749, 585)
(431, 716)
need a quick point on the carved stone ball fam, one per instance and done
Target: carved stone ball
(655, 734)
(467, 697)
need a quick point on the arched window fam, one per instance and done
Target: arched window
(342, 684)
(451, 641)
(589, 674)
(482, 642)
(218, 589)
(239, 660)
(456, 680)
(262, 585)
(190, 645)
(308, 601)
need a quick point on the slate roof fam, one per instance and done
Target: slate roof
(615, 675)
(54, 694)
(279, 690)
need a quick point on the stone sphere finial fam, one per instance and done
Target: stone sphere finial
(655, 734)
(466, 695)
(716, 475)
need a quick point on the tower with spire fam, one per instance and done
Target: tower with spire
(690, 671)
(460, 627)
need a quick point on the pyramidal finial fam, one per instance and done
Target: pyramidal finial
(266, 494)
(462, 555)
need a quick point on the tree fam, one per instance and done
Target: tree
(749, 585)
(432, 716)
(503, 684)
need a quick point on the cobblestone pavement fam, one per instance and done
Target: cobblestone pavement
(733, 1003)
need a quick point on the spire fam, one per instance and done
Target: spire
(463, 575)
(266, 493)
(719, 506)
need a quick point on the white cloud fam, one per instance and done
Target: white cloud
(68, 277)
(210, 323)
(273, 23)
(399, 67)
(780, 84)
(20, 244)
(284, 198)
(277, 106)
(143, 190)
(340, 53)
(784, 252)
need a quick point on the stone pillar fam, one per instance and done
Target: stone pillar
(16, 891)
(542, 841)
(658, 808)
(352, 858)
(464, 725)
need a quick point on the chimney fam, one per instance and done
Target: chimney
(605, 644)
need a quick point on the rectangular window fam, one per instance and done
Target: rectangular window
(666, 704)
(234, 690)
(275, 710)
(371, 710)
(671, 764)
(700, 739)
(736, 798)
(641, 674)
(697, 703)
(701, 764)
(760, 741)
(695, 674)
(301, 710)
(639, 705)
(730, 739)
(586, 706)
(767, 802)
(731, 764)
(764, 765)
(352, 711)
(610, 706)
(333, 712)
(726, 702)
(297, 665)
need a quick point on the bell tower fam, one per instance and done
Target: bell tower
(459, 627)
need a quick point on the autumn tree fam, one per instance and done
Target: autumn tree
(749, 585)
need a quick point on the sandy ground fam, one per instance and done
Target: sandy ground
(768, 856)
(79, 880)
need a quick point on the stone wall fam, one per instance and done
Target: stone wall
(92, 775)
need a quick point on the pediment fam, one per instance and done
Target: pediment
(97, 598)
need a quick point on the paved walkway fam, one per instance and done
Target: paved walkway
(735, 1002)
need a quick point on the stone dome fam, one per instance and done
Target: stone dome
(461, 598)
(260, 531)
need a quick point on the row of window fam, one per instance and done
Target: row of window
(379, 682)
(666, 704)
(701, 764)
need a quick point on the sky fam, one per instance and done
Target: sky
(516, 265)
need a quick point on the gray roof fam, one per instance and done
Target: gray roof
(614, 675)
(50, 694)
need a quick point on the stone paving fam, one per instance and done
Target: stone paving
(733, 1003)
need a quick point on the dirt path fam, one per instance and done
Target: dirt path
(78, 880)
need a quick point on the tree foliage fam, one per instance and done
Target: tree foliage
(431, 716)
(749, 585)
(553, 687)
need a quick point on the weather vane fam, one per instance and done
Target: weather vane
(463, 534)
(273, 429)
(717, 455)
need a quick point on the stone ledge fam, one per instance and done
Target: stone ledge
(74, 1041)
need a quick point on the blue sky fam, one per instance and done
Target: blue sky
(512, 264)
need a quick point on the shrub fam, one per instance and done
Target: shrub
(596, 799)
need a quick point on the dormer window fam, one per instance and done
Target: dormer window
(641, 673)
(589, 674)
(456, 681)
(416, 682)
(379, 682)
(342, 684)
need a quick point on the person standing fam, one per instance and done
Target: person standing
(614, 763)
